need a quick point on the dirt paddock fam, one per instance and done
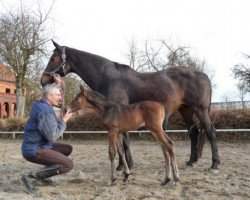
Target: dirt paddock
(90, 177)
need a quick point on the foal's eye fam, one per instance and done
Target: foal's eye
(52, 59)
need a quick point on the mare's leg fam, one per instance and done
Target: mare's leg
(122, 155)
(129, 160)
(206, 123)
(193, 131)
(112, 152)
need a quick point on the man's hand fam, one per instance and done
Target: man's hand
(58, 79)
(67, 116)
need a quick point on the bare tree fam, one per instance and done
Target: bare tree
(242, 72)
(134, 54)
(226, 99)
(23, 35)
(72, 85)
(156, 55)
(242, 93)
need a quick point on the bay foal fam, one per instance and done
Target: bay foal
(118, 118)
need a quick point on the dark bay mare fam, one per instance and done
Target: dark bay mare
(186, 90)
(120, 118)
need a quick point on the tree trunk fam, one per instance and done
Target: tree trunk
(20, 98)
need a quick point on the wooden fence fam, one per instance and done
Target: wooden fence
(139, 132)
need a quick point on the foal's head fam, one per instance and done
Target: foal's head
(80, 101)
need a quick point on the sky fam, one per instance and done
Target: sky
(217, 31)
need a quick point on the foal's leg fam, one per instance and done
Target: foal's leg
(168, 150)
(122, 155)
(167, 165)
(171, 151)
(112, 152)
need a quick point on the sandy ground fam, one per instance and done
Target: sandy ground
(90, 177)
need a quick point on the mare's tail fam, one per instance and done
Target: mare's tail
(202, 134)
(201, 142)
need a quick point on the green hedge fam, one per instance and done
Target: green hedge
(224, 119)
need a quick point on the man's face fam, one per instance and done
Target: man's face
(55, 98)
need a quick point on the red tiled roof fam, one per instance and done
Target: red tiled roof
(6, 74)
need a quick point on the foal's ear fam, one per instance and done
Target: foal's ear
(82, 88)
(58, 47)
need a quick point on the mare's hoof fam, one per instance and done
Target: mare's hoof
(189, 163)
(214, 171)
(130, 166)
(119, 167)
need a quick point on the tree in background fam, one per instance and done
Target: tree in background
(242, 93)
(23, 35)
(242, 72)
(72, 87)
(226, 98)
(156, 55)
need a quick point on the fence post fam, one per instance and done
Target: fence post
(139, 134)
(13, 135)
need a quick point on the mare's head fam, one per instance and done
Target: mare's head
(80, 101)
(58, 64)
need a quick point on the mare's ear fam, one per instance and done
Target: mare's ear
(58, 47)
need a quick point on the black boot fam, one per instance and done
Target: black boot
(41, 175)
(27, 182)
(47, 172)
(44, 174)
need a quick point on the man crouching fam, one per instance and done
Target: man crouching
(41, 131)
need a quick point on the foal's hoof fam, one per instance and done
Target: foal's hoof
(113, 181)
(165, 182)
(169, 183)
(125, 179)
(177, 178)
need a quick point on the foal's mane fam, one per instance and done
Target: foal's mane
(97, 98)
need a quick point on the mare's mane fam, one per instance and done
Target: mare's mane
(125, 70)
(122, 67)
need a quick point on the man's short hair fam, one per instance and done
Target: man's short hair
(49, 89)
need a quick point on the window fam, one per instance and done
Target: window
(7, 90)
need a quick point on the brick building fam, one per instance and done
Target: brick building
(7, 92)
